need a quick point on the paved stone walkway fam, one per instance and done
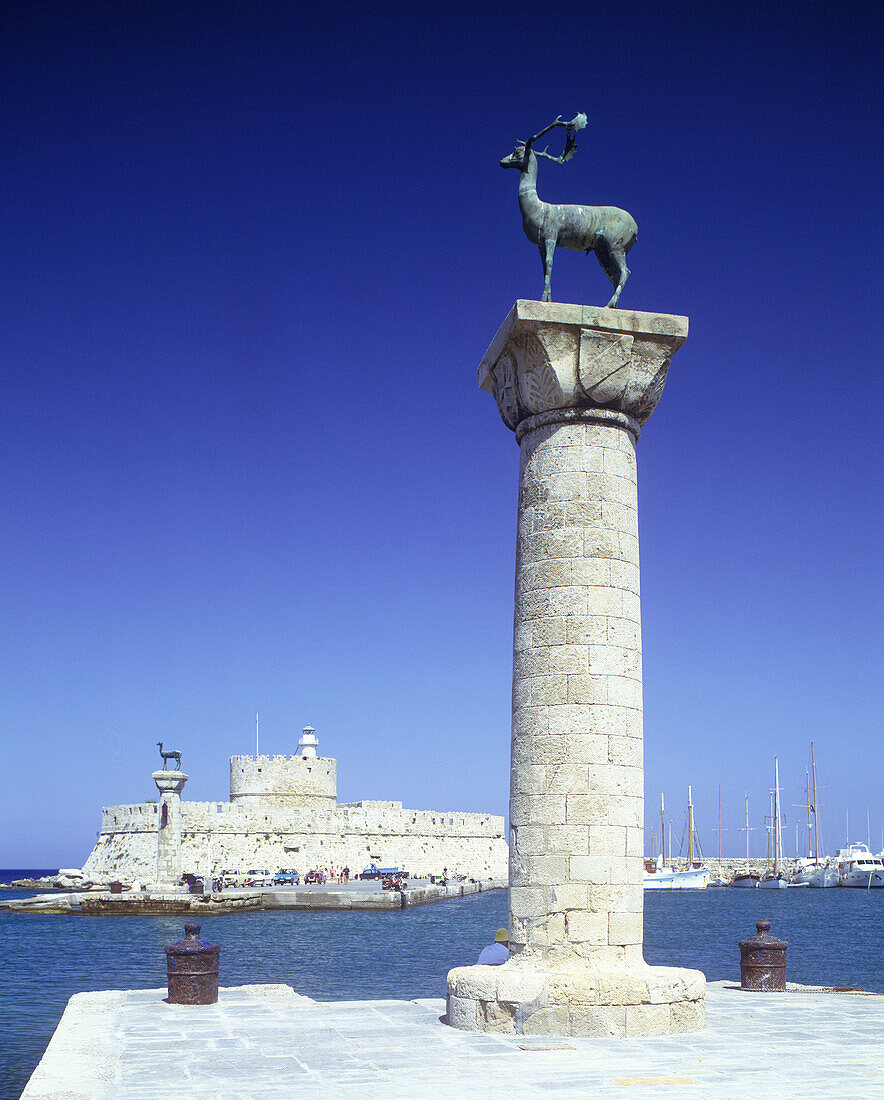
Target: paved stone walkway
(266, 1041)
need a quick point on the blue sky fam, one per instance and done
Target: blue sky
(252, 255)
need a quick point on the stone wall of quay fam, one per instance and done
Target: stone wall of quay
(220, 836)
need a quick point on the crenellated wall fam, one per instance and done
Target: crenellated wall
(272, 828)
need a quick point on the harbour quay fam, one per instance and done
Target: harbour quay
(329, 896)
(268, 1041)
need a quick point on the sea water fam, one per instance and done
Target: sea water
(836, 937)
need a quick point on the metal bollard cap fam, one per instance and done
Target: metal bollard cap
(192, 944)
(763, 938)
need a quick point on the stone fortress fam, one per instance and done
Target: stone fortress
(283, 812)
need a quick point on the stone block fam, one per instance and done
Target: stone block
(573, 988)
(599, 542)
(586, 748)
(520, 986)
(612, 660)
(548, 574)
(546, 870)
(620, 516)
(546, 690)
(586, 629)
(547, 1021)
(686, 1016)
(582, 688)
(568, 895)
(567, 659)
(624, 928)
(624, 811)
(527, 902)
(531, 662)
(548, 631)
(624, 691)
(583, 809)
(498, 1017)
(625, 751)
(570, 601)
(568, 779)
(647, 1020)
(591, 869)
(530, 839)
(473, 982)
(584, 927)
(528, 778)
(620, 463)
(593, 571)
(463, 1013)
(598, 1021)
(607, 840)
(549, 749)
(635, 841)
(622, 989)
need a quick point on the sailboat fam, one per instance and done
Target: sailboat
(747, 879)
(811, 872)
(775, 879)
(660, 877)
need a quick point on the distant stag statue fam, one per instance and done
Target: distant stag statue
(173, 755)
(605, 230)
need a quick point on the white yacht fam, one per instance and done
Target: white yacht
(660, 877)
(809, 872)
(858, 867)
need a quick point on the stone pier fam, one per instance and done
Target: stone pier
(576, 384)
(170, 785)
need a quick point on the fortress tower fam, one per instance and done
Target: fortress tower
(292, 782)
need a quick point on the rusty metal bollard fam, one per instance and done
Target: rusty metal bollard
(192, 969)
(763, 961)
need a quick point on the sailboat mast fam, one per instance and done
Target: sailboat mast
(690, 830)
(807, 792)
(776, 804)
(719, 825)
(747, 832)
(663, 832)
(816, 824)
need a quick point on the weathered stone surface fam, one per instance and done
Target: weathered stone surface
(576, 384)
(549, 356)
(283, 812)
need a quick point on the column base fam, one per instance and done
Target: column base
(517, 999)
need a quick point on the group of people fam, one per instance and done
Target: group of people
(328, 874)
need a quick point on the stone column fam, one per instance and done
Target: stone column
(577, 384)
(170, 785)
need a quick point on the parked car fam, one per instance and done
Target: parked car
(286, 876)
(380, 872)
(259, 878)
(229, 878)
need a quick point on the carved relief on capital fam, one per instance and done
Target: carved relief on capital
(540, 366)
(524, 381)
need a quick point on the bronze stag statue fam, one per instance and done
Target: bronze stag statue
(172, 754)
(605, 230)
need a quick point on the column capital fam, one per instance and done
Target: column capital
(548, 355)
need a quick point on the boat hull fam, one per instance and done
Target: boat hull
(744, 882)
(677, 880)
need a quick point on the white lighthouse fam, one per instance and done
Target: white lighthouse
(308, 743)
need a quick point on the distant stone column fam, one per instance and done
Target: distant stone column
(170, 785)
(576, 384)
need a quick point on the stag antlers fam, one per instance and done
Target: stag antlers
(578, 122)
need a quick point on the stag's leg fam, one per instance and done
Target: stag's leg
(547, 251)
(613, 261)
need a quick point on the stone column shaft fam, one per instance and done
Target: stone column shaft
(576, 385)
(576, 795)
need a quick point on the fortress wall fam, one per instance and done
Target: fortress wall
(284, 781)
(239, 836)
